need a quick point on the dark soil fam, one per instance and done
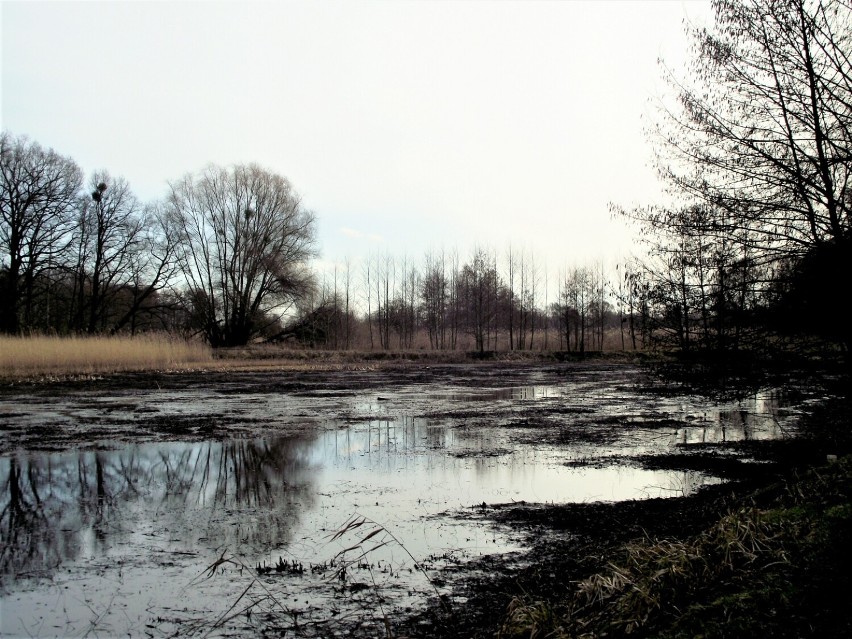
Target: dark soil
(567, 543)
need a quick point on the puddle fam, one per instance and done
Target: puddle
(167, 537)
(139, 524)
(761, 417)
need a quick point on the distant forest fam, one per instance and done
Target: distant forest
(750, 253)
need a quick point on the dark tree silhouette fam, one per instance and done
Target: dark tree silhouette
(38, 196)
(245, 244)
(758, 151)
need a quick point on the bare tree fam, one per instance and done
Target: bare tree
(511, 305)
(455, 298)
(38, 195)
(152, 267)
(346, 308)
(246, 242)
(480, 282)
(532, 299)
(574, 304)
(758, 150)
(368, 294)
(111, 238)
(764, 132)
(433, 293)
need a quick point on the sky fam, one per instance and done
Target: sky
(406, 127)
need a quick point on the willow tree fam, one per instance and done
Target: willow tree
(245, 242)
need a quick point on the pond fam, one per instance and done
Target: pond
(233, 510)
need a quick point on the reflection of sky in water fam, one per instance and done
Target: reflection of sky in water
(758, 418)
(118, 536)
(91, 520)
(405, 466)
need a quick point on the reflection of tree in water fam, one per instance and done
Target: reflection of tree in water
(238, 492)
(760, 418)
(56, 508)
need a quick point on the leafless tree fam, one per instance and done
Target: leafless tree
(575, 294)
(347, 312)
(764, 129)
(39, 192)
(511, 266)
(480, 282)
(245, 245)
(153, 267)
(110, 239)
(435, 293)
(758, 153)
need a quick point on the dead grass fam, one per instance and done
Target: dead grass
(660, 574)
(23, 357)
(54, 358)
(707, 584)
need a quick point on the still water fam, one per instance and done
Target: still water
(193, 538)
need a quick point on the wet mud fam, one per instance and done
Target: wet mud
(408, 500)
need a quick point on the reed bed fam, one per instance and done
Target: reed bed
(43, 355)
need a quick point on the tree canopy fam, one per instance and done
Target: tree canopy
(245, 245)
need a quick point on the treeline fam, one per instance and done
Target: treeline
(222, 256)
(752, 252)
(489, 302)
(228, 256)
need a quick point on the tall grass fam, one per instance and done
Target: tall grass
(61, 356)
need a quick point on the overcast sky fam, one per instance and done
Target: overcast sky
(405, 126)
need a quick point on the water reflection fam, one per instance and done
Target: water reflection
(758, 418)
(55, 508)
(61, 507)
(253, 494)
(140, 523)
(497, 394)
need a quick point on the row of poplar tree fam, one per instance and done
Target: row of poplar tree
(753, 246)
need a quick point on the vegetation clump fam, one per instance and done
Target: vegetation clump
(778, 566)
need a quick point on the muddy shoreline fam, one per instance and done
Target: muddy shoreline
(563, 543)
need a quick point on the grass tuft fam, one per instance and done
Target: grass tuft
(664, 575)
(529, 619)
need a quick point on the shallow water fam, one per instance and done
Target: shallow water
(119, 540)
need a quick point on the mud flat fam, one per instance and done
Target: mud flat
(406, 500)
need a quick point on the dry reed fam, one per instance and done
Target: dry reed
(42, 355)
